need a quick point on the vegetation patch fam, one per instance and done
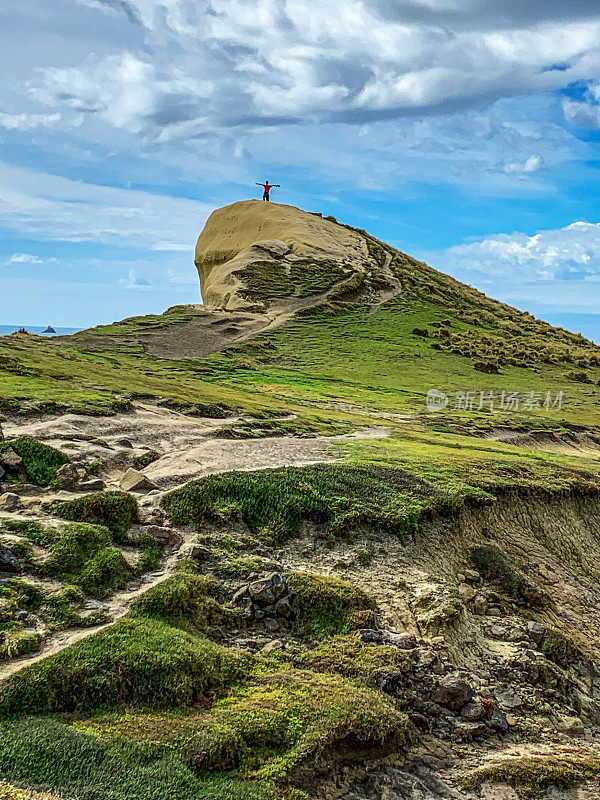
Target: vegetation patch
(325, 606)
(272, 727)
(494, 566)
(115, 510)
(346, 655)
(40, 461)
(531, 776)
(188, 600)
(138, 661)
(44, 752)
(343, 498)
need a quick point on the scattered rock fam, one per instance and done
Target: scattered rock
(93, 485)
(466, 593)
(498, 720)
(509, 699)
(369, 635)
(270, 647)
(125, 443)
(8, 561)
(134, 481)
(536, 632)
(473, 711)
(9, 501)
(2, 472)
(403, 641)
(271, 624)
(479, 605)
(67, 476)
(10, 460)
(283, 608)
(267, 590)
(197, 552)
(452, 692)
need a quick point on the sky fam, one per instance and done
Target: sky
(464, 132)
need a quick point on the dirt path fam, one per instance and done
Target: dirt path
(116, 607)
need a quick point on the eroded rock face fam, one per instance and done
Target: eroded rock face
(243, 241)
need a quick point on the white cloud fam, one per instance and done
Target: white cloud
(51, 208)
(566, 254)
(210, 66)
(24, 258)
(133, 282)
(532, 164)
(27, 122)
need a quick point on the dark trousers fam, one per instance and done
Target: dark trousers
(265, 196)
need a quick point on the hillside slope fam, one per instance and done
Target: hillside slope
(242, 559)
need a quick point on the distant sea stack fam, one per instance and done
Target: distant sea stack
(49, 329)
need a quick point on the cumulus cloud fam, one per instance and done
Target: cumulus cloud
(532, 164)
(24, 258)
(255, 63)
(585, 112)
(566, 254)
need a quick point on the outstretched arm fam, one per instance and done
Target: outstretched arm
(260, 184)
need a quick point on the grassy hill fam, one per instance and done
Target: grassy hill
(462, 526)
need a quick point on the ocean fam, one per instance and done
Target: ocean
(6, 329)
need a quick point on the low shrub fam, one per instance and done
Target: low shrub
(185, 598)
(17, 642)
(115, 510)
(43, 752)
(325, 606)
(532, 776)
(273, 726)
(107, 571)
(341, 497)
(347, 656)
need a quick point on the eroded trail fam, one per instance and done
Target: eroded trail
(186, 448)
(116, 607)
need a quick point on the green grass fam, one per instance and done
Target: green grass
(46, 753)
(139, 661)
(115, 510)
(274, 502)
(271, 726)
(532, 776)
(40, 461)
(346, 655)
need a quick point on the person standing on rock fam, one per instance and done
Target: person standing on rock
(267, 188)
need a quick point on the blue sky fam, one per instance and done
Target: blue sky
(465, 132)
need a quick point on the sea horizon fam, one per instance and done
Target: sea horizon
(5, 330)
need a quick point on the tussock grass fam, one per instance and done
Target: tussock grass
(325, 605)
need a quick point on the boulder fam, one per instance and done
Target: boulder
(403, 641)
(452, 692)
(268, 590)
(370, 635)
(283, 608)
(67, 476)
(8, 561)
(162, 535)
(10, 460)
(9, 501)
(134, 481)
